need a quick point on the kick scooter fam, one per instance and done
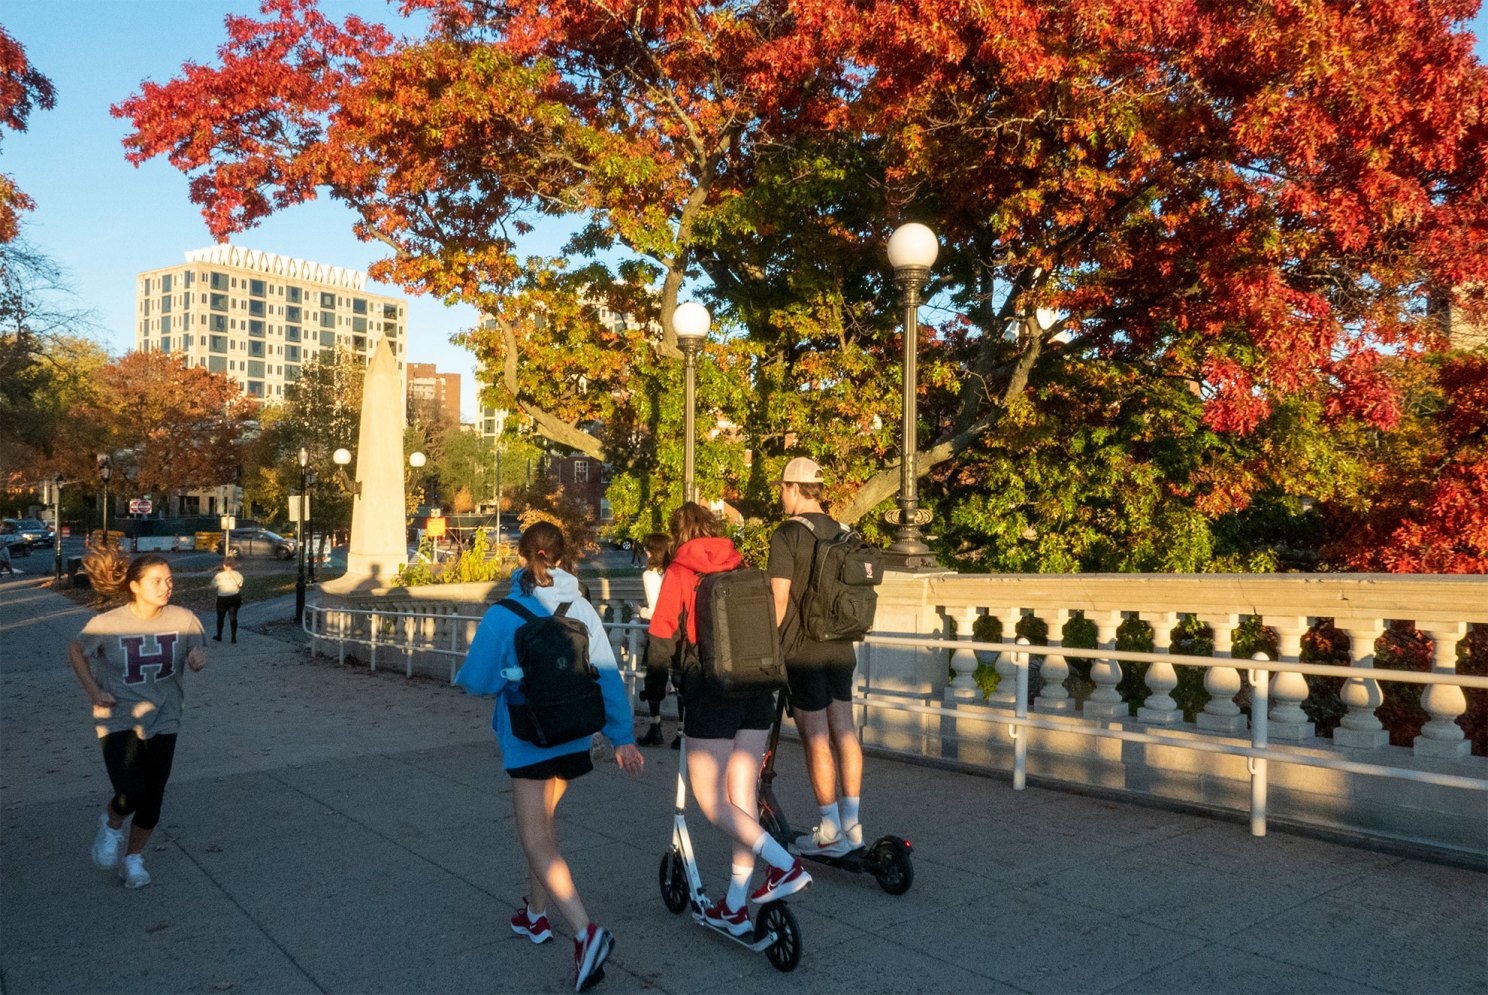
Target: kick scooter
(775, 931)
(887, 858)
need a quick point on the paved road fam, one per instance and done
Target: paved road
(330, 830)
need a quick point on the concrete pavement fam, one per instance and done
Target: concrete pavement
(331, 830)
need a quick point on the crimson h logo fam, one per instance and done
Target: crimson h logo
(136, 658)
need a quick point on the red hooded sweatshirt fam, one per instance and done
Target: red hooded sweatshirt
(679, 587)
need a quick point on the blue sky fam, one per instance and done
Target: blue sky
(105, 220)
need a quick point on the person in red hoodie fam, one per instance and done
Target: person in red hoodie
(725, 737)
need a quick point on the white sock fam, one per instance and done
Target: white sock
(738, 889)
(533, 914)
(831, 822)
(773, 853)
(849, 808)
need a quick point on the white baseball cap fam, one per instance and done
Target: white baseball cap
(801, 471)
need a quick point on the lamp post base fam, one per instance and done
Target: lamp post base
(299, 599)
(907, 561)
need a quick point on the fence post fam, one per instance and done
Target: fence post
(1260, 701)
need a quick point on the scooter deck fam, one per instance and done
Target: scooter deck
(748, 941)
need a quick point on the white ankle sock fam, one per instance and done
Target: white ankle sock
(738, 889)
(849, 808)
(831, 822)
(774, 854)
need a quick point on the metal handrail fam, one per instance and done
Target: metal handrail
(1259, 669)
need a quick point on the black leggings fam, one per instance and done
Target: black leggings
(229, 606)
(138, 769)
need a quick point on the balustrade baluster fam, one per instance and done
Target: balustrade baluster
(1105, 701)
(1053, 695)
(1289, 690)
(1442, 736)
(1220, 713)
(1361, 729)
(1161, 678)
(963, 686)
(1006, 694)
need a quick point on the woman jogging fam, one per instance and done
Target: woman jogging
(540, 775)
(656, 545)
(129, 662)
(227, 583)
(725, 736)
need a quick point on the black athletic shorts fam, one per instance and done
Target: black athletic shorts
(815, 686)
(709, 715)
(569, 767)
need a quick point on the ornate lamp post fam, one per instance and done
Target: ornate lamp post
(690, 321)
(57, 524)
(105, 471)
(301, 513)
(912, 251)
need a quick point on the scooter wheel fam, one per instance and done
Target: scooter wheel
(673, 882)
(890, 864)
(785, 953)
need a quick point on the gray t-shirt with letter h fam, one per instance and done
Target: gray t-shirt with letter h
(140, 662)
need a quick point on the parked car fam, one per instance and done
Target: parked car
(28, 532)
(260, 542)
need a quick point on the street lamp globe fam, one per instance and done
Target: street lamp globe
(690, 321)
(304, 457)
(417, 459)
(342, 457)
(912, 247)
(105, 467)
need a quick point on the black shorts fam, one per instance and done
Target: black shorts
(709, 715)
(815, 686)
(569, 767)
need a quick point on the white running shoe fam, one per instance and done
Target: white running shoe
(854, 836)
(108, 844)
(814, 844)
(132, 872)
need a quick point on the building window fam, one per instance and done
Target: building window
(165, 284)
(165, 345)
(358, 306)
(256, 308)
(390, 311)
(255, 368)
(255, 349)
(291, 373)
(165, 324)
(218, 281)
(292, 353)
(293, 294)
(291, 333)
(255, 328)
(219, 302)
(292, 315)
(255, 388)
(256, 288)
(581, 471)
(327, 300)
(216, 364)
(186, 279)
(185, 342)
(186, 320)
(328, 341)
(327, 319)
(218, 343)
(217, 322)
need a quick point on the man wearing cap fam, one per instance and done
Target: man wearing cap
(819, 673)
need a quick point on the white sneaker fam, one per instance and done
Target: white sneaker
(814, 844)
(854, 836)
(132, 872)
(108, 844)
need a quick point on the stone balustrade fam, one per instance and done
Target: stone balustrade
(964, 728)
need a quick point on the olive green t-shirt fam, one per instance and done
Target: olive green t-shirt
(140, 663)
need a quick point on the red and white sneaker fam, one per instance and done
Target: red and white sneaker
(779, 884)
(591, 947)
(535, 929)
(735, 921)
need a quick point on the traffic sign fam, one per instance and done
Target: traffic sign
(141, 506)
(299, 508)
(229, 522)
(435, 528)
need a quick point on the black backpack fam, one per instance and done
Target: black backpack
(840, 601)
(563, 701)
(738, 643)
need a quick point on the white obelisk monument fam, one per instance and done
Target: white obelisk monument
(379, 533)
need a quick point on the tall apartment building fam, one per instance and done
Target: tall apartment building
(258, 316)
(441, 390)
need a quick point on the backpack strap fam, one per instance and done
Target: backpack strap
(562, 610)
(518, 609)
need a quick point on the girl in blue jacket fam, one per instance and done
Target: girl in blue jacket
(540, 775)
